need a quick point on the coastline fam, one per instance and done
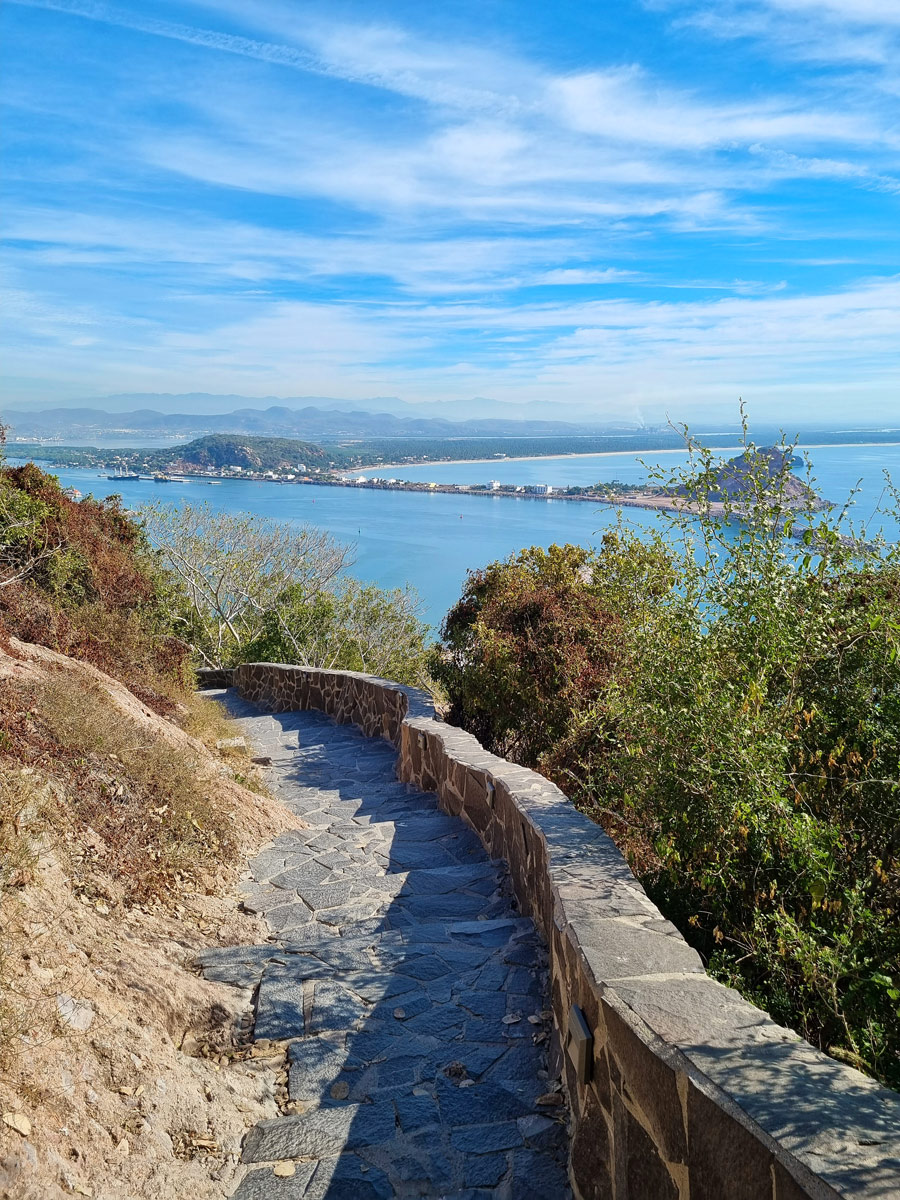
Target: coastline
(461, 462)
(349, 472)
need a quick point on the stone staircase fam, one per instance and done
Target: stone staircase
(410, 992)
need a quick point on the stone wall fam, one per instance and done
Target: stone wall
(214, 677)
(378, 707)
(679, 1088)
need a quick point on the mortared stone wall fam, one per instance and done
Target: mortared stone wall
(679, 1088)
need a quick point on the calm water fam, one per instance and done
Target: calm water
(430, 541)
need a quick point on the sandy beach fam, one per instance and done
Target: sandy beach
(457, 462)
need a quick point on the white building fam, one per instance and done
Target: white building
(541, 489)
(494, 484)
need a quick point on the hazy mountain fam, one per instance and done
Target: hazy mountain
(475, 408)
(310, 423)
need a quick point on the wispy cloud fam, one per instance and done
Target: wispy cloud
(659, 354)
(276, 197)
(852, 33)
(623, 105)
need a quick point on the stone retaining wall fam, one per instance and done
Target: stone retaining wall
(679, 1089)
(214, 677)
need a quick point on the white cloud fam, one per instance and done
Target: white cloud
(473, 173)
(790, 353)
(856, 33)
(577, 276)
(862, 12)
(203, 250)
(623, 105)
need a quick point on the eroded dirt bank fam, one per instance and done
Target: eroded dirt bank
(122, 1073)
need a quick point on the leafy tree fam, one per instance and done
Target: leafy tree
(233, 567)
(725, 698)
(350, 626)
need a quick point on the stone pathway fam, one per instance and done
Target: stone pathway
(410, 991)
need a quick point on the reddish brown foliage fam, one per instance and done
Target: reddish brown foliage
(527, 645)
(97, 598)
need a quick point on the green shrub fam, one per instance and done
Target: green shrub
(534, 639)
(725, 699)
(348, 626)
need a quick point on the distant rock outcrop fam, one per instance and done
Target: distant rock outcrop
(735, 482)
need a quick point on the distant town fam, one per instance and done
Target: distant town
(301, 474)
(219, 457)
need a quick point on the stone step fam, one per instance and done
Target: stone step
(402, 980)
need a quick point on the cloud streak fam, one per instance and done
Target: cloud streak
(271, 198)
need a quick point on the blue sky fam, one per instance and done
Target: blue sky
(639, 208)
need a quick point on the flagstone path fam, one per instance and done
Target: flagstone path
(412, 993)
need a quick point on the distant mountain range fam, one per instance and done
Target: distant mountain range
(477, 408)
(310, 423)
(156, 416)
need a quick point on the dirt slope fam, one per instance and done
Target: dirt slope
(119, 1074)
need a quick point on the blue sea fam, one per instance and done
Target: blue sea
(431, 541)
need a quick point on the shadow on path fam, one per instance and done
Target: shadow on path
(411, 993)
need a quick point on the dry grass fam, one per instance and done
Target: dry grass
(132, 817)
(135, 816)
(145, 809)
(207, 721)
(20, 801)
(21, 809)
(119, 836)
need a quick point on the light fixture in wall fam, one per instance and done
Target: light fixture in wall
(579, 1044)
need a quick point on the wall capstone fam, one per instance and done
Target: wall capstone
(689, 1091)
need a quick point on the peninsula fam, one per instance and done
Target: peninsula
(290, 461)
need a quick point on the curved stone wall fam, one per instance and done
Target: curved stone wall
(679, 1088)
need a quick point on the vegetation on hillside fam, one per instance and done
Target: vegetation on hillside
(130, 808)
(153, 815)
(80, 578)
(121, 831)
(725, 700)
(276, 454)
(249, 453)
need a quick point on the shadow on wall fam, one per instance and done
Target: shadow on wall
(402, 976)
(689, 1089)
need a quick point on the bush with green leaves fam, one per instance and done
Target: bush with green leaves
(349, 626)
(725, 698)
(250, 589)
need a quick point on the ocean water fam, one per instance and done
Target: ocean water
(431, 541)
